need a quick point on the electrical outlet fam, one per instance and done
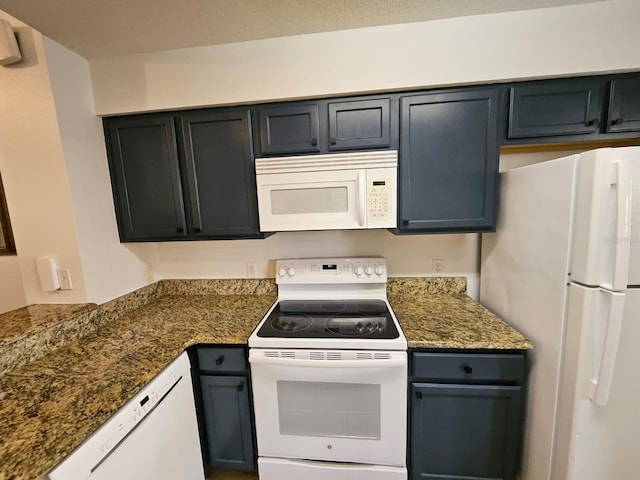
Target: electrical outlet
(64, 276)
(251, 269)
(148, 274)
(437, 266)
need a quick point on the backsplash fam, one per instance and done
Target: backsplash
(426, 285)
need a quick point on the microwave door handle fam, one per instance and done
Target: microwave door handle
(303, 362)
(362, 198)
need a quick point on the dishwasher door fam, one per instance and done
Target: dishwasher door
(164, 445)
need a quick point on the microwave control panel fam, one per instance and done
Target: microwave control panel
(381, 201)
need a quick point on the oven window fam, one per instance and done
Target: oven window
(309, 200)
(328, 409)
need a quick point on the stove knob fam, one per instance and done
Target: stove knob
(379, 269)
(282, 272)
(357, 270)
(368, 269)
(291, 271)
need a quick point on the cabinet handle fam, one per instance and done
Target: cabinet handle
(333, 140)
(617, 121)
(593, 122)
(314, 141)
(219, 360)
(180, 230)
(418, 395)
(405, 222)
(466, 369)
(197, 230)
(240, 387)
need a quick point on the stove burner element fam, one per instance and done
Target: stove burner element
(287, 306)
(371, 307)
(292, 322)
(333, 307)
(354, 325)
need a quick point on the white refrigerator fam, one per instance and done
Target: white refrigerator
(564, 268)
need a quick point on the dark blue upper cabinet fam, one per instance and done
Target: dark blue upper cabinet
(220, 172)
(551, 108)
(448, 162)
(183, 176)
(359, 124)
(145, 177)
(624, 105)
(288, 129)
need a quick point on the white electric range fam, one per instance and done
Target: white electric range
(329, 372)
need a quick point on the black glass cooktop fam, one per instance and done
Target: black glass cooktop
(330, 319)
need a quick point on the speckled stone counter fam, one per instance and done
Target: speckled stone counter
(51, 404)
(453, 321)
(28, 332)
(435, 312)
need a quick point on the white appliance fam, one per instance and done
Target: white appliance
(329, 371)
(564, 268)
(153, 437)
(326, 192)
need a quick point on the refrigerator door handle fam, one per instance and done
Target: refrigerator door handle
(622, 245)
(602, 385)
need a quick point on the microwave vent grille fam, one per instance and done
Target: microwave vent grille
(336, 161)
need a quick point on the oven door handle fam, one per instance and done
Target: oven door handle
(303, 362)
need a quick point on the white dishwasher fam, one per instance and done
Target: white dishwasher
(153, 437)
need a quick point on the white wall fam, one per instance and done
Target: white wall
(34, 173)
(577, 39)
(110, 268)
(11, 290)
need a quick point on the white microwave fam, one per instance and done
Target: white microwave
(328, 192)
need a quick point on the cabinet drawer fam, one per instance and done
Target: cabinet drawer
(216, 359)
(469, 367)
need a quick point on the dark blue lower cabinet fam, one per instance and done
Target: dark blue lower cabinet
(227, 416)
(469, 432)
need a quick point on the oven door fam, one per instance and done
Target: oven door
(331, 406)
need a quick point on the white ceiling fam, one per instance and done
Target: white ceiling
(103, 28)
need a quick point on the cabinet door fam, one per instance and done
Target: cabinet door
(227, 417)
(289, 129)
(145, 177)
(448, 163)
(359, 124)
(464, 431)
(549, 108)
(220, 171)
(624, 105)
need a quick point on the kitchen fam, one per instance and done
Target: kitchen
(76, 222)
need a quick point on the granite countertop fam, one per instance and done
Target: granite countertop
(51, 403)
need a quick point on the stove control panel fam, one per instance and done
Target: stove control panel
(331, 270)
